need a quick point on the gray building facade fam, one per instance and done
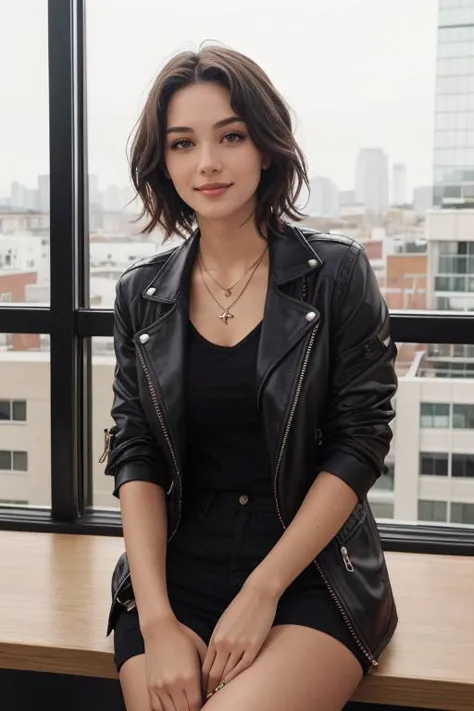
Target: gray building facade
(454, 123)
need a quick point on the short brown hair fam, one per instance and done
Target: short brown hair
(254, 98)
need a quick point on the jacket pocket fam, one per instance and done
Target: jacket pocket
(354, 565)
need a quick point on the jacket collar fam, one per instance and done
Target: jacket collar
(291, 257)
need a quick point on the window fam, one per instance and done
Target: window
(462, 513)
(434, 414)
(24, 147)
(13, 461)
(463, 465)
(463, 417)
(432, 511)
(80, 314)
(433, 464)
(14, 410)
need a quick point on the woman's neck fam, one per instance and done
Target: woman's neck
(229, 243)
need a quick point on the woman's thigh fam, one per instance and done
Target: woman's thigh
(133, 679)
(298, 669)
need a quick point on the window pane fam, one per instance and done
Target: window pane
(432, 511)
(349, 180)
(20, 461)
(19, 410)
(24, 148)
(103, 364)
(5, 460)
(5, 410)
(25, 443)
(462, 513)
(463, 416)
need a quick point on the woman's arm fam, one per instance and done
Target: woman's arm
(325, 509)
(144, 523)
(141, 474)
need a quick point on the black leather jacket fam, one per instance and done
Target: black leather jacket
(325, 378)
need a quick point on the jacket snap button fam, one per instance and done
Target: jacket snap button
(150, 291)
(312, 263)
(144, 338)
(310, 316)
(243, 499)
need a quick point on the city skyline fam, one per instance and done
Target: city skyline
(342, 100)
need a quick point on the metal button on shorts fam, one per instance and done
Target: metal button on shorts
(243, 499)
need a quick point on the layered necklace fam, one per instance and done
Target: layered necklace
(226, 312)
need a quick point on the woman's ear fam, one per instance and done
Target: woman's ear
(266, 162)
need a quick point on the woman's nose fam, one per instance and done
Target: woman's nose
(208, 160)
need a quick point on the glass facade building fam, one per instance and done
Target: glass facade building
(454, 125)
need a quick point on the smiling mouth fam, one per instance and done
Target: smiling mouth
(214, 189)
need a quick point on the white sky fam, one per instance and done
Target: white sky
(355, 72)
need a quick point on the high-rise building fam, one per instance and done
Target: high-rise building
(323, 198)
(454, 125)
(422, 199)
(372, 180)
(399, 184)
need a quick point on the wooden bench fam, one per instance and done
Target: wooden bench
(55, 594)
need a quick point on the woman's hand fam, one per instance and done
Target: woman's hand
(172, 668)
(238, 635)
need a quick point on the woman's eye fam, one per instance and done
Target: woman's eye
(234, 137)
(182, 143)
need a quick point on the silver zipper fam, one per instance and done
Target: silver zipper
(290, 418)
(130, 605)
(347, 560)
(299, 386)
(161, 420)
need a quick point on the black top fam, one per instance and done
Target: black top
(226, 448)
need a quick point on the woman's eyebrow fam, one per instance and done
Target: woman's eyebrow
(219, 124)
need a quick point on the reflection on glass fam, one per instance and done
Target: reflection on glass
(25, 440)
(24, 150)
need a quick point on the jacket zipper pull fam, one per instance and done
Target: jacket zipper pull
(347, 560)
(107, 445)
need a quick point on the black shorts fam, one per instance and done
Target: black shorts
(221, 539)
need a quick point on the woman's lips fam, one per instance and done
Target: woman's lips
(214, 191)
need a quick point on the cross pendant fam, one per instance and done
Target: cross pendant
(225, 316)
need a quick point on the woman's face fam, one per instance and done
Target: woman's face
(213, 163)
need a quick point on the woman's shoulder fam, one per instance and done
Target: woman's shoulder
(144, 269)
(337, 253)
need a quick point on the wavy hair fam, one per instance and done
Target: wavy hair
(266, 114)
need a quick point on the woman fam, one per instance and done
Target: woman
(253, 390)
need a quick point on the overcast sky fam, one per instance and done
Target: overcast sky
(355, 72)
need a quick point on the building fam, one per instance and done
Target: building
(450, 238)
(399, 184)
(323, 197)
(422, 199)
(372, 180)
(454, 123)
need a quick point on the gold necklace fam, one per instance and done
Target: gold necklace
(226, 313)
(228, 290)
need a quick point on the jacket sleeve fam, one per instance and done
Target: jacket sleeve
(356, 433)
(133, 451)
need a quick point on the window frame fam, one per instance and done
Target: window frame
(71, 323)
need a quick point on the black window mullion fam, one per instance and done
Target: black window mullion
(65, 346)
(85, 483)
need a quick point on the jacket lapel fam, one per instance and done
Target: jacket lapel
(288, 317)
(166, 347)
